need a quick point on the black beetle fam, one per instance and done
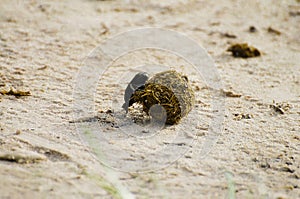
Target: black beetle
(138, 82)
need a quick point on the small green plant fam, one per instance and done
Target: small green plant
(104, 184)
(112, 185)
(231, 186)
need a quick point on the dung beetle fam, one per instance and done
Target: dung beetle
(137, 83)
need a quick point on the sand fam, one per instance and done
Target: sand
(46, 152)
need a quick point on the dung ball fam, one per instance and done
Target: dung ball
(169, 89)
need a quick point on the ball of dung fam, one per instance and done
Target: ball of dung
(169, 89)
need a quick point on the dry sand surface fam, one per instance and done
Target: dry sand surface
(43, 153)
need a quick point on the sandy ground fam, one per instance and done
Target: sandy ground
(43, 45)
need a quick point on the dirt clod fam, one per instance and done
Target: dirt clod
(16, 93)
(22, 157)
(274, 31)
(252, 29)
(243, 50)
(280, 108)
(240, 116)
(231, 94)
